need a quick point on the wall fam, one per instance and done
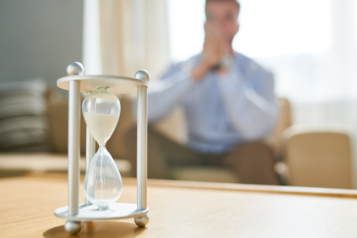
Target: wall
(38, 38)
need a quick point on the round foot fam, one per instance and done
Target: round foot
(73, 227)
(141, 221)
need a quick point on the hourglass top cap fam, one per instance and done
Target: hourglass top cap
(102, 87)
(143, 75)
(75, 68)
(88, 83)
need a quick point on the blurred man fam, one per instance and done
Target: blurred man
(229, 104)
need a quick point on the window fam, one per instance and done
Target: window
(291, 38)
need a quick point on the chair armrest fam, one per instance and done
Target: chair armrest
(319, 155)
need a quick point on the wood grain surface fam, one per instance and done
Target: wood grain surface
(185, 209)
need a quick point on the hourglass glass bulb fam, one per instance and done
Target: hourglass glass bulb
(101, 111)
(102, 184)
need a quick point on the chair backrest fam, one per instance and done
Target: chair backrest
(319, 157)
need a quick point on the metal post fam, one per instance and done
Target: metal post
(142, 148)
(90, 151)
(73, 147)
(142, 130)
(74, 120)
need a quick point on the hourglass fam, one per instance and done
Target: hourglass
(102, 184)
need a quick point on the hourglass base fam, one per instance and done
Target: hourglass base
(91, 212)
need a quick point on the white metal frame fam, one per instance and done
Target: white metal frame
(77, 83)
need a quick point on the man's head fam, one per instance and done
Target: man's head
(224, 13)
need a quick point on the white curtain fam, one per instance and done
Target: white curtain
(123, 36)
(91, 51)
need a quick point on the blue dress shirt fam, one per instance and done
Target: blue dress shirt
(221, 110)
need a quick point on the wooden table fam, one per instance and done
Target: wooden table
(185, 209)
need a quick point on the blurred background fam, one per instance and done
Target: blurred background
(309, 45)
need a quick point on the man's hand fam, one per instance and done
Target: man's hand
(213, 48)
(213, 51)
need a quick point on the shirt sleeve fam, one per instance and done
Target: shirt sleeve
(167, 93)
(250, 101)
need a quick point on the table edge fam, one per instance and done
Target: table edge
(273, 189)
(289, 190)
